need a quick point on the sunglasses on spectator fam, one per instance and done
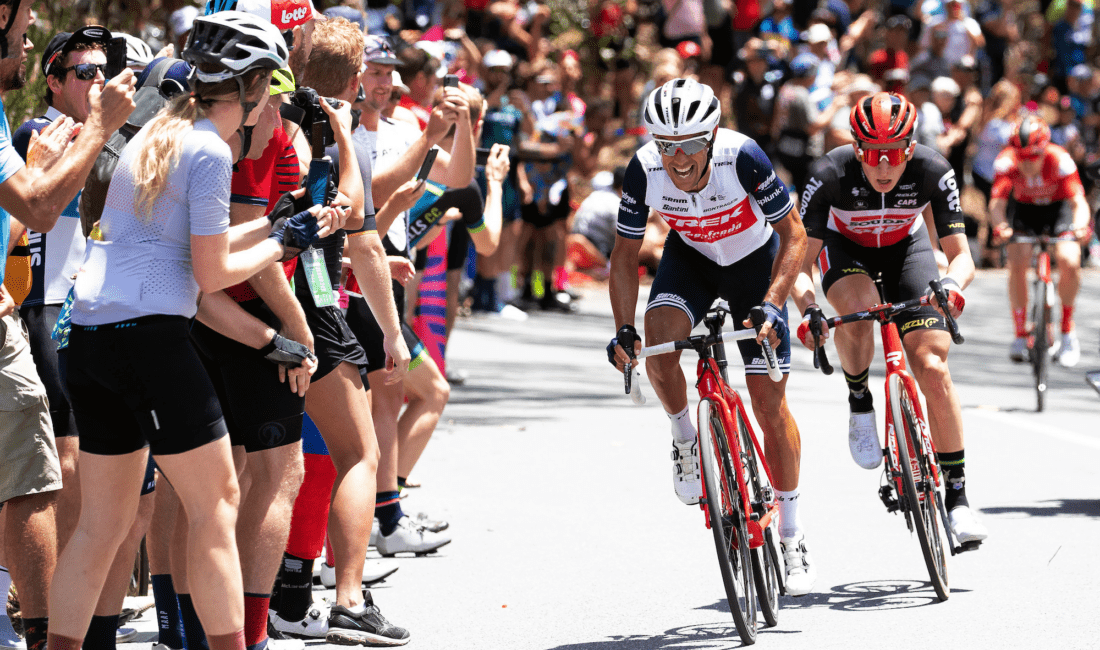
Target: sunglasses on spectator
(874, 157)
(689, 147)
(85, 71)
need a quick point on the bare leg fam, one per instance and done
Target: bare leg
(428, 393)
(664, 324)
(386, 403)
(927, 353)
(118, 578)
(782, 443)
(30, 544)
(68, 497)
(855, 342)
(264, 521)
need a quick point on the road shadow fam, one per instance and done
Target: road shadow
(1057, 508)
(868, 596)
(710, 636)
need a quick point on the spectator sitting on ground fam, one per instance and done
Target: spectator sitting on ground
(593, 234)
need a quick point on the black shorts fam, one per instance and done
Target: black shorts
(690, 281)
(1050, 219)
(260, 411)
(907, 267)
(369, 334)
(333, 341)
(141, 383)
(40, 320)
(531, 213)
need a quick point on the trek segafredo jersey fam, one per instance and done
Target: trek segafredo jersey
(726, 220)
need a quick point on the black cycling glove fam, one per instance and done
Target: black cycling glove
(626, 337)
(774, 315)
(285, 352)
(295, 234)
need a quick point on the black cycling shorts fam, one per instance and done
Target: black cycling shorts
(260, 411)
(690, 281)
(333, 341)
(1031, 220)
(40, 320)
(362, 322)
(538, 218)
(141, 382)
(907, 267)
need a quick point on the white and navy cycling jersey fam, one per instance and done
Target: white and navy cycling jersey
(839, 198)
(726, 220)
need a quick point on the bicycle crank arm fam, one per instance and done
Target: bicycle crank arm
(756, 526)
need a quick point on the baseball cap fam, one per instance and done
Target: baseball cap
(603, 181)
(284, 14)
(688, 49)
(347, 13)
(379, 50)
(818, 33)
(65, 42)
(181, 20)
(497, 59)
(160, 81)
(804, 65)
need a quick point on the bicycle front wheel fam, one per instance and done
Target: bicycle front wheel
(918, 485)
(765, 558)
(1040, 349)
(727, 521)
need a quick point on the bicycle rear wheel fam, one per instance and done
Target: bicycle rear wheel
(765, 558)
(727, 521)
(1040, 349)
(919, 499)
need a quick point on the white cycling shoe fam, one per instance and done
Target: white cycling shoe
(801, 570)
(685, 471)
(965, 525)
(863, 440)
(1069, 354)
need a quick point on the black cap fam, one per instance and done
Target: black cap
(65, 42)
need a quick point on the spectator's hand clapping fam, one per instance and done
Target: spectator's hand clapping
(48, 146)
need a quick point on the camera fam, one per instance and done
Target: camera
(305, 110)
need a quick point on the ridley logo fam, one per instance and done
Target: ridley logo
(894, 358)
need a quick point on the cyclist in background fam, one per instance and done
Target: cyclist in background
(863, 207)
(1037, 191)
(733, 224)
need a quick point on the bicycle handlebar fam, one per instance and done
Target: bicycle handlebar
(1042, 239)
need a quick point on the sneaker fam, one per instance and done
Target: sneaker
(863, 440)
(456, 377)
(373, 573)
(410, 537)
(966, 526)
(285, 644)
(1070, 352)
(434, 525)
(1018, 351)
(801, 570)
(374, 534)
(512, 313)
(368, 627)
(313, 626)
(685, 471)
(125, 635)
(8, 637)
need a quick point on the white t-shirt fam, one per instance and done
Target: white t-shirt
(958, 37)
(380, 150)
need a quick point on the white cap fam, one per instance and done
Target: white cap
(946, 85)
(497, 59)
(818, 33)
(181, 20)
(399, 84)
(603, 181)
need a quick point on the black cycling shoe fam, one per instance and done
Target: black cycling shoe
(366, 628)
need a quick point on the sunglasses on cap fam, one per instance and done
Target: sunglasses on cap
(874, 157)
(85, 71)
(690, 147)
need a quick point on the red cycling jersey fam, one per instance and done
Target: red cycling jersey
(1057, 181)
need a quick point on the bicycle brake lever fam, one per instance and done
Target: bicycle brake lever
(821, 361)
(952, 324)
(756, 315)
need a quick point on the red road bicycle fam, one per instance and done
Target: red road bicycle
(1040, 313)
(738, 501)
(914, 484)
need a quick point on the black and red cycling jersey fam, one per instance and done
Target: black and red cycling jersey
(1057, 180)
(839, 198)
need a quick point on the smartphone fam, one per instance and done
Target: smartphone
(116, 58)
(450, 80)
(426, 167)
(482, 156)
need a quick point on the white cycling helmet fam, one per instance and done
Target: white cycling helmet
(681, 107)
(235, 42)
(138, 52)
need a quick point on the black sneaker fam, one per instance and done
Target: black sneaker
(366, 628)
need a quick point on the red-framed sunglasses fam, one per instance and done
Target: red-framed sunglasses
(874, 157)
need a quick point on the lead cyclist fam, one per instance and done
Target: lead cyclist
(864, 206)
(735, 235)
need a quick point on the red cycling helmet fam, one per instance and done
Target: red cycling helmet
(1030, 136)
(883, 118)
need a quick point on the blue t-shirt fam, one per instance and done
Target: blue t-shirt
(10, 163)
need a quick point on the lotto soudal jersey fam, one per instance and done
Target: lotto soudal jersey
(726, 220)
(1058, 179)
(839, 198)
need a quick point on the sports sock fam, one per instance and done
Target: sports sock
(194, 636)
(169, 623)
(387, 507)
(231, 641)
(401, 483)
(859, 395)
(561, 279)
(953, 464)
(35, 631)
(1019, 320)
(8, 637)
(682, 428)
(255, 620)
(790, 524)
(101, 633)
(1067, 319)
(296, 593)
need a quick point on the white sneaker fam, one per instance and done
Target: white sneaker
(1070, 352)
(508, 312)
(373, 572)
(313, 626)
(434, 525)
(801, 570)
(965, 525)
(863, 440)
(685, 471)
(1018, 351)
(285, 644)
(8, 637)
(374, 534)
(125, 634)
(410, 537)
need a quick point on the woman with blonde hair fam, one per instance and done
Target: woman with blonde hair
(1001, 108)
(135, 379)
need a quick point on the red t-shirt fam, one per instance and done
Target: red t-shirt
(419, 111)
(1057, 181)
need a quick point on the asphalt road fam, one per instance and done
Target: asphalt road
(567, 535)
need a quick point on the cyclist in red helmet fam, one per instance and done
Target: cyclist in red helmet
(1037, 190)
(864, 208)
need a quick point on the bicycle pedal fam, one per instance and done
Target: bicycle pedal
(887, 497)
(969, 546)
